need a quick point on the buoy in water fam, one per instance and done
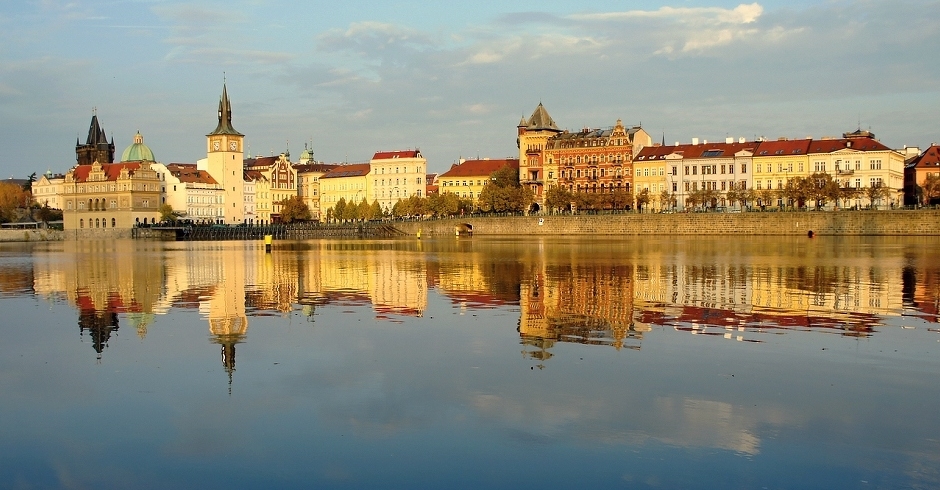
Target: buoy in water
(810, 234)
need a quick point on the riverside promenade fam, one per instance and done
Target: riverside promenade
(795, 223)
(821, 223)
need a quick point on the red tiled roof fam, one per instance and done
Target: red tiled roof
(111, 170)
(351, 170)
(475, 168)
(782, 148)
(254, 175)
(260, 161)
(704, 150)
(188, 173)
(859, 144)
(383, 155)
(314, 167)
(929, 158)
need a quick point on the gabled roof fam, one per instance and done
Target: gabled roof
(351, 170)
(479, 168)
(254, 176)
(384, 155)
(187, 173)
(112, 171)
(540, 120)
(929, 158)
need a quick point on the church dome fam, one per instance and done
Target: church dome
(138, 152)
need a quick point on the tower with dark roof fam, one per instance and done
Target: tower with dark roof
(225, 161)
(96, 147)
(532, 136)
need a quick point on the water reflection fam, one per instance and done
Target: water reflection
(648, 360)
(597, 292)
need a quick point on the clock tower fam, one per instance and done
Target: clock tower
(225, 163)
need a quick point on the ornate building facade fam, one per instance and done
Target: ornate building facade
(590, 160)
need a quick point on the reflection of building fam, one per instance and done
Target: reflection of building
(586, 303)
(106, 279)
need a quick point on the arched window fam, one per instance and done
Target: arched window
(113, 223)
(81, 223)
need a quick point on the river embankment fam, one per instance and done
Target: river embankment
(820, 223)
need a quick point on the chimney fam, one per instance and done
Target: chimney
(741, 140)
(694, 141)
(729, 140)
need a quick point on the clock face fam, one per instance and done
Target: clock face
(216, 145)
(233, 145)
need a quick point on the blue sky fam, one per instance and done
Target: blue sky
(454, 79)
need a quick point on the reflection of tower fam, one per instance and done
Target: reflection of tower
(228, 323)
(99, 324)
(227, 332)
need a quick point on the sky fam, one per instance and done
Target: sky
(453, 79)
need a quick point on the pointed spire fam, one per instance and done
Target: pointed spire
(540, 120)
(225, 116)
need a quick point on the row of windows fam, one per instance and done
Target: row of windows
(712, 169)
(611, 158)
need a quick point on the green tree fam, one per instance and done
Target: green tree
(167, 214)
(28, 185)
(376, 210)
(504, 194)
(47, 214)
(364, 210)
(294, 209)
(558, 198)
(339, 209)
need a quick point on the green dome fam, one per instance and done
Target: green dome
(138, 152)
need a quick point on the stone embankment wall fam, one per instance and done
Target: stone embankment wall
(31, 235)
(849, 223)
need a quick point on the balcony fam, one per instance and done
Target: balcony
(847, 171)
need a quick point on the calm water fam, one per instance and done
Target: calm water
(555, 363)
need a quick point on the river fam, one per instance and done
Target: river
(647, 362)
